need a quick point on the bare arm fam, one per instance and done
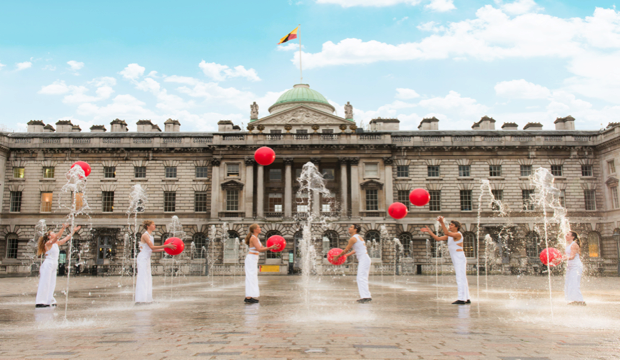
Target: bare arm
(254, 242)
(147, 240)
(352, 241)
(574, 249)
(454, 235)
(59, 234)
(430, 232)
(63, 241)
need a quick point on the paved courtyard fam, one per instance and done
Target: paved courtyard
(409, 317)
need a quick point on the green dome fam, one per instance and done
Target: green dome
(301, 92)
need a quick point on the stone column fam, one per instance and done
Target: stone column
(355, 187)
(260, 192)
(249, 188)
(389, 188)
(215, 188)
(344, 186)
(316, 197)
(4, 154)
(288, 187)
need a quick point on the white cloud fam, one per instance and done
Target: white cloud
(398, 22)
(103, 81)
(153, 74)
(77, 94)
(122, 106)
(291, 46)
(404, 94)
(454, 102)
(23, 65)
(132, 71)
(1, 66)
(49, 67)
(56, 88)
(220, 72)
(431, 26)
(441, 5)
(375, 3)
(521, 89)
(518, 7)
(75, 65)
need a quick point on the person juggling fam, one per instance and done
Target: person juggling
(455, 244)
(49, 244)
(574, 270)
(251, 263)
(357, 243)
(144, 280)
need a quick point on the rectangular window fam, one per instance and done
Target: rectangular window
(402, 171)
(329, 174)
(200, 201)
(16, 201)
(327, 203)
(371, 170)
(109, 172)
(297, 173)
(328, 131)
(275, 202)
(12, 246)
(275, 131)
(611, 165)
(563, 198)
(614, 197)
(499, 196)
(435, 202)
(528, 202)
(46, 201)
(232, 170)
(590, 198)
(464, 170)
(526, 170)
(48, 172)
(232, 200)
(495, 170)
(79, 200)
(170, 201)
(201, 172)
(433, 170)
(275, 174)
(302, 202)
(19, 172)
(466, 203)
(301, 131)
(556, 170)
(139, 171)
(326, 207)
(171, 172)
(403, 197)
(107, 201)
(372, 200)
(586, 170)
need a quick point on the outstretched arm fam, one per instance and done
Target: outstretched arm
(254, 241)
(455, 235)
(63, 241)
(430, 232)
(352, 241)
(58, 234)
(147, 240)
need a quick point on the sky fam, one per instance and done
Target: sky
(204, 61)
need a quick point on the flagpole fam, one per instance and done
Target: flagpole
(301, 75)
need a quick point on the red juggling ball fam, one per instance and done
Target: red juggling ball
(84, 166)
(265, 156)
(419, 197)
(178, 243)
(551, 257)
(333, 253)
(276, 240)
(398, 210)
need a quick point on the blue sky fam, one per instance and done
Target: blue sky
(199, 62)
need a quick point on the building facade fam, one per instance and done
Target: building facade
(211, 182)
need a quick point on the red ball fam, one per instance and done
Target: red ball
(84, 166)
(419, 197)
(276, 240)
(265, 156)
(398, 210)
(333, 253)
(178, 243)
(551, 257)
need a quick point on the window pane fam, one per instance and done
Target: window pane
(372, 170)
(329, 174)
(433, 170)
(499, 196)
(556, 170)
(586, 170)
(402, 171)
(526, 170)
(46, 202)
(403, 197)
(372, 200)
(107, 201)
(614, 197)
(200, 201)
(275, 174)
(79, 201)
(531, 245)
(19, 172)
(590, 199)
(593, 245)
(12, 246)
(495, 170)
(469, 245)
(170, 199)
(464, 170)
(201, 172)
(109, 172)
(466, 203)
(232, 200)
(275, 202)
(611, 166)
(528, 203)
(563, 198)
(48, 172)
(435, 202)
(232, 170)
(171, 171)
(139, 171)
(16, 201)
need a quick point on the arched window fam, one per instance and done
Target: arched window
(330, 241)
(233, 234)
(373, 243)
(436, 248)
(200, 245)
(12, 241)
(297, 238)
(407, 240)
(469, 244)
(594, 245)
(270, 254)
(532, 243)
(76, 243)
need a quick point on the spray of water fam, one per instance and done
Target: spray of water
(399, 251)
(175, 229)
(137, 204)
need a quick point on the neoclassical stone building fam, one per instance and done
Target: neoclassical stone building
(211, 180)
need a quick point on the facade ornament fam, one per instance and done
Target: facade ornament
(250, 127)
(288, 161)
(254, 111)
(388, 160)
(315, 160)
(288, 128)
(352, 127)
(343, 127)
(315, 127)
(216, 162)
(343, 160)
(354, 161)
(348, 111)
(249, 161)
(260, 128)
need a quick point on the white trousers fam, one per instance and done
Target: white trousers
(47, 282)
(251, 276)
(572, 284)
(363, 270)
(460, 268)
(144, 280)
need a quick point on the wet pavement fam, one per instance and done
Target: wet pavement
(409, 317)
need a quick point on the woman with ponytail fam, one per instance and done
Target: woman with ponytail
(251, 264)
(574, 270)
(48, 244)
(144, 280)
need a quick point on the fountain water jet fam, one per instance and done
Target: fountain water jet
(137, 204)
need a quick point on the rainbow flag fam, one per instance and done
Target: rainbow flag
(290, 36)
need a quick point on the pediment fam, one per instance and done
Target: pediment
(611, 181)
(232, 185)
(371, 185)
(302, 115)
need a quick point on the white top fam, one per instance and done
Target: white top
(453, 245)
(52, 254)
(253, 249)
(576, 261)
(359, 246)
(145, 248)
